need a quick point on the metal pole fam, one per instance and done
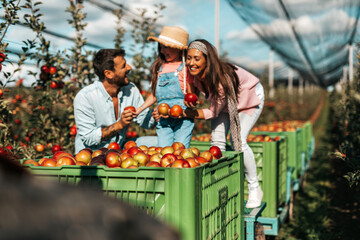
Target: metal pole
(351, 63)
(290, 82)
(217, 28)
(271, 74)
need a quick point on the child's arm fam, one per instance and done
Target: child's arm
(150, 100)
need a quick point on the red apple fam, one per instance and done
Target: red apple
(180, 163)
(175, 111)
(195, 150)
(130, 144)
(124, 156)
(33, 162)
(207, 155)
(187, 153)
(163, 109)
(193, 162)
(52, 70)
(142, 158)
(191, 98)
(48, 162)
(97, 152)
(153, 164)
(215, 151)
(45, 69)
(56, 148)
(129, 162)
(201, 160)
(112, 159)
(132, 108)
(114, 145)
(99, 160)
(39, 147)
(80, 163)
(178, 145)
(83, 155)
(156, 157)
(167, 149)
(144, 148)
(167, 159)
(65, 160)
(134, 150)
(152, 152)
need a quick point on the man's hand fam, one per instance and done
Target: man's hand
(126, 117)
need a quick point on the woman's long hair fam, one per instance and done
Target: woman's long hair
(219, 72)
(155, 66)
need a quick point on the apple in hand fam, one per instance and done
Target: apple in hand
(215, 151)
(132, 108)
(167, 159)
(176, 111)
(163, 109)
(191, 98)
(180, 163)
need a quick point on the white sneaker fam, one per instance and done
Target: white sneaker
(255, 197)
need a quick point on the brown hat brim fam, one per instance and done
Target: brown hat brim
(167, 43)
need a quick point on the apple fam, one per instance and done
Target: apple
(152, 152)
(144, 148)
(187, 153)
(191, 98)
(195, 150)
(80, 163)
(65, 160)
(164, 109)
(152, 148)
(153, 164)
(167, 159)
(130, 144)
(133, 150)
(124, 156)
(201, 160)
(179, 157)
(52, 70)
(156, 157)
(65, 154)
(1, 93)
(33, 162)
(180, 163)
(43, 159)
(56, 148)
(167, 149)
(158, 149)
(177, 152)
(114, 145)
(99, 160)
(39, 147)
(53, 85)
(142, 158)
(132, 167)
(178, 145)
(131, 108)
(207, 155)
(215, 151)
(48, 162)
(45, 69)
(175, 111)
(193, 162)
(129, 162)
(112, 159)
(96, 153)
(83, 156)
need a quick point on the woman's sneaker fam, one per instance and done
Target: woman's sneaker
(255, 197)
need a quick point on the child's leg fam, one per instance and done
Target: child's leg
(183, 130)
(165, 133)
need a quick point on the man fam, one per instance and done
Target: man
(99, 108)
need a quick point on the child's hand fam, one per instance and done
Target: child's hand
(156, 115)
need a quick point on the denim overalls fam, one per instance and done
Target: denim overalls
(170, 130)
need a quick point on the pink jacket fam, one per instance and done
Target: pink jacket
(247, 99)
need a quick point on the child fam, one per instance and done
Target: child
(169, 82)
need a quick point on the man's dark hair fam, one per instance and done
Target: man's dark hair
(104, 60)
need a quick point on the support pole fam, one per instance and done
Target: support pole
(217, 25)
(271, 74)
(351, 61)
(290, 82)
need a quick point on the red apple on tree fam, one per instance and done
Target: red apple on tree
(215, 151)
(191, 98)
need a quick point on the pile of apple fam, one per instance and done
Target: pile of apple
(281, 126)
(262, 138)
(133, 156)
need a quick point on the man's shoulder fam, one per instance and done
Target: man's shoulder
(88, 90)
(131, 87)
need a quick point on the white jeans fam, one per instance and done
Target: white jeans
(220, 126)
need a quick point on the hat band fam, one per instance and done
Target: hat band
(170, 40)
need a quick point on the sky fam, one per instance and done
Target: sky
(237, 40)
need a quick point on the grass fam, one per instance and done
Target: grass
(326, 207)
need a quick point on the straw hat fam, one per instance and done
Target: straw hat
(174, 37)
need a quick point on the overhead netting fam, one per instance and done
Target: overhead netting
(311, 36)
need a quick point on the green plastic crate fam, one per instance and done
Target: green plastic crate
(271, 162)
(206, 202)
(309, 139)
(294, 149)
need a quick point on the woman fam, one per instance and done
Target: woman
(236, 101)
